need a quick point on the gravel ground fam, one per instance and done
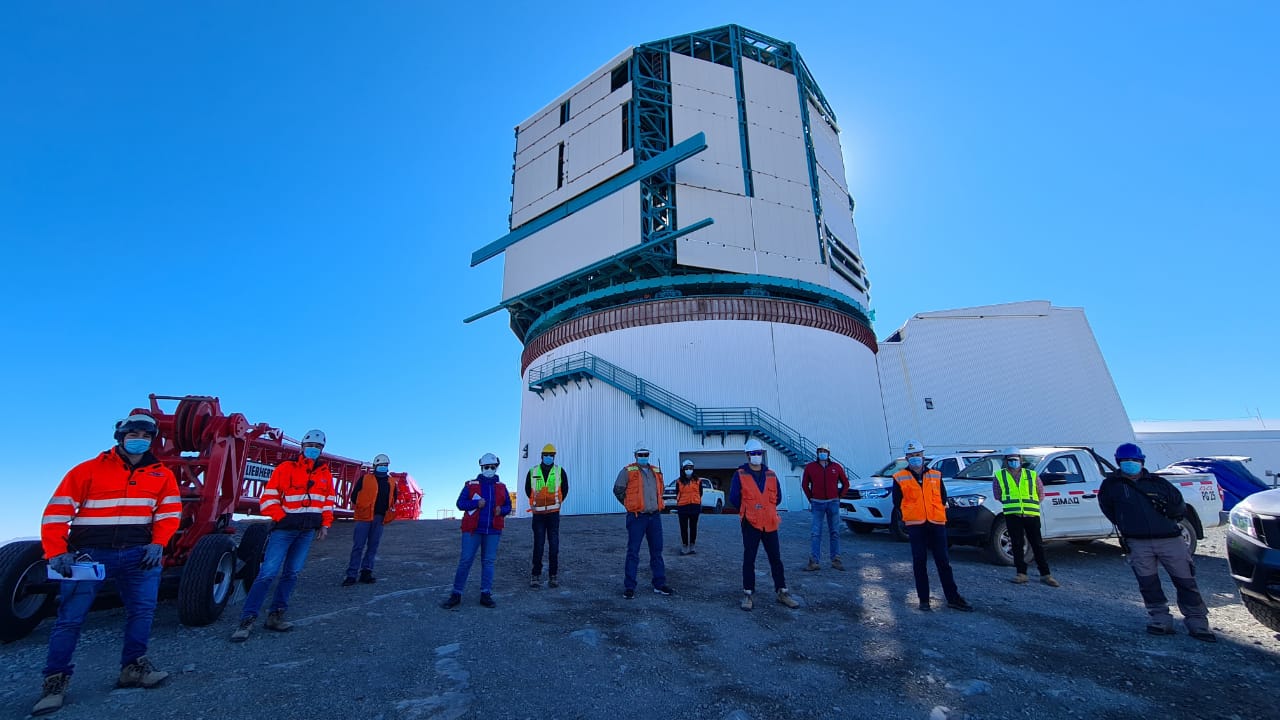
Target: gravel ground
(856, 647)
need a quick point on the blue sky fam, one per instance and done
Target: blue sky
(277, 204)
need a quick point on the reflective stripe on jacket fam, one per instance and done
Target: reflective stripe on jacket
(366, 499)
(299, 495)
(690, 492)
(546, 490)
(635, 488)
(105, 502)
(759, 508)
(921, 500)
(1021, 496)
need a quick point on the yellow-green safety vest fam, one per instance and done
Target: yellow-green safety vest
(1021, 496)
(546, 490)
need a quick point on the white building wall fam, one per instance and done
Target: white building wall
(787, 373)
(1017, 374)
(1165, 442)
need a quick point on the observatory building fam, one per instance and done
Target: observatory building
(683, 270)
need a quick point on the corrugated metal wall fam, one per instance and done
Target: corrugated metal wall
(821, 383)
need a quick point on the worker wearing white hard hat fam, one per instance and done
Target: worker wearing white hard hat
(639, 489)
(1020, 491)
(688, 506)
(485, 502)
(374, 500)
(824, 482)
(756, 492)
(920, 499)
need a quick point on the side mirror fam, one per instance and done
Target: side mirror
(1053, 478)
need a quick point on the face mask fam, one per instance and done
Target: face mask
(548, 459)
(311, 453)
(1015, 464)
(823, 456)
(1130, 467)
(137, 447)
(688, 473)
(916, 462)
(488, 473)
(381, 469)
(642, 461)
(755, 459)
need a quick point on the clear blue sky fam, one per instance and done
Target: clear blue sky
(276, 204)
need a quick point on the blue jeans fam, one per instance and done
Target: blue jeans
(644, 526)
(367, 532)
(930, 538)
(488, 547)
(138, 589)
(286, 554)
(830, 510)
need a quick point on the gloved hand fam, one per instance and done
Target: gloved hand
(61, 564)
(151, 559)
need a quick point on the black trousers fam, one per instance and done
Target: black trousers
(1024, 529)
(688, 523)
(546, 529)
(751, 541)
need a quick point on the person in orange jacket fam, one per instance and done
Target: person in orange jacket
(299, 497)
(374, 498)
(118, 509)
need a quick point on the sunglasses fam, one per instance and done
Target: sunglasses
(488, 467)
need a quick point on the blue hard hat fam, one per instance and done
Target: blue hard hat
(1129, 451)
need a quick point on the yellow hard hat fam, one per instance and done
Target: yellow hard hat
(548, 449)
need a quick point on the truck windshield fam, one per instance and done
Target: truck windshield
(895, 466)
(985, 468)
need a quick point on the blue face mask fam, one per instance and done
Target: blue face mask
(311, 453)
(1130, 467)
(136, 446)
(823, 455)
(915, 462)
(642, 461)
(548, 459)
(381, 469)
(1015, 464)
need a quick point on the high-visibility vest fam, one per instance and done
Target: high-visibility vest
(1021, 496)
(689, 493)
(635, 488)
(759, 508)
(546, 490)
(921, 501)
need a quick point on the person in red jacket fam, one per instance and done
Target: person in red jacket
(486, 503)
(299, 497)
(118, 509)
(824, 484)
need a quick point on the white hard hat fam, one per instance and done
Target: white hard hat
(313, 436)
(687, 463)
(642, 446)
(381, 459)
(913, 446)
(489, 459)
(754, 445)
(1012, 451)
(824, 446)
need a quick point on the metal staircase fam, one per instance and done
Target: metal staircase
(581, 366)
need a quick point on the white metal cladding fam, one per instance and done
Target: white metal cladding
(704, 99)
(553, 108)
(533, 182)
(826, 147)
(595, 136)
(732, 213)
(597, 231)
(787, 370)
(775, 131)
(1017, 374)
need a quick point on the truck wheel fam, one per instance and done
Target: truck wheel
(999, 547)
(897, 528)
(207, 580)
(1188, 535)
(249, 551)
(22, 571)
(719, 506)
(1264, 614)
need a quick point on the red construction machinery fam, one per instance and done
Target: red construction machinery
(222, 464)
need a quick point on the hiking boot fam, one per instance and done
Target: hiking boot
(960, 604)
(691, 550)
(348, 581)
(629, 594)
(664, 590)
(242, 633)
(813, 565)
(140, 673)
(746, 603)
(452, 601)
(1050, 581)
(1161, 630)
(1020, 579)
(552, 582)
(836, 563)
(1203, 636)
(684, 549)
(52, 694)
(275, 621)
(366, 577)
(535, 582)
(785, 598)
(925, 606)
(486, 599)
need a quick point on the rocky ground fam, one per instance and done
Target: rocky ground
(857, 647)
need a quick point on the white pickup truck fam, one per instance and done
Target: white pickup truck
(712, 499)
(1069, 510)
(867, 505)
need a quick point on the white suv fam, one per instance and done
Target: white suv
(868, 505)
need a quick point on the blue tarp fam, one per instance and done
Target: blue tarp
(1234, 479)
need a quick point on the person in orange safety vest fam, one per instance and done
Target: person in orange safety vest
(920, 497)
(374, 501)
(639, 488)
(756, 492)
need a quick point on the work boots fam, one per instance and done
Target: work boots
(242, 633)
(366, 577)
(52, 694)
(275, 621)
(140, 673)
(684, 549)
(552, 582)
(452, 601)
(813, 565)
(837, 563)
(535, 582)
(785, 598)
(1050, 581)
(1020, 579)
(747, 604)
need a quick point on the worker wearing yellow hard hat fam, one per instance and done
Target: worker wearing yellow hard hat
(546, 485)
